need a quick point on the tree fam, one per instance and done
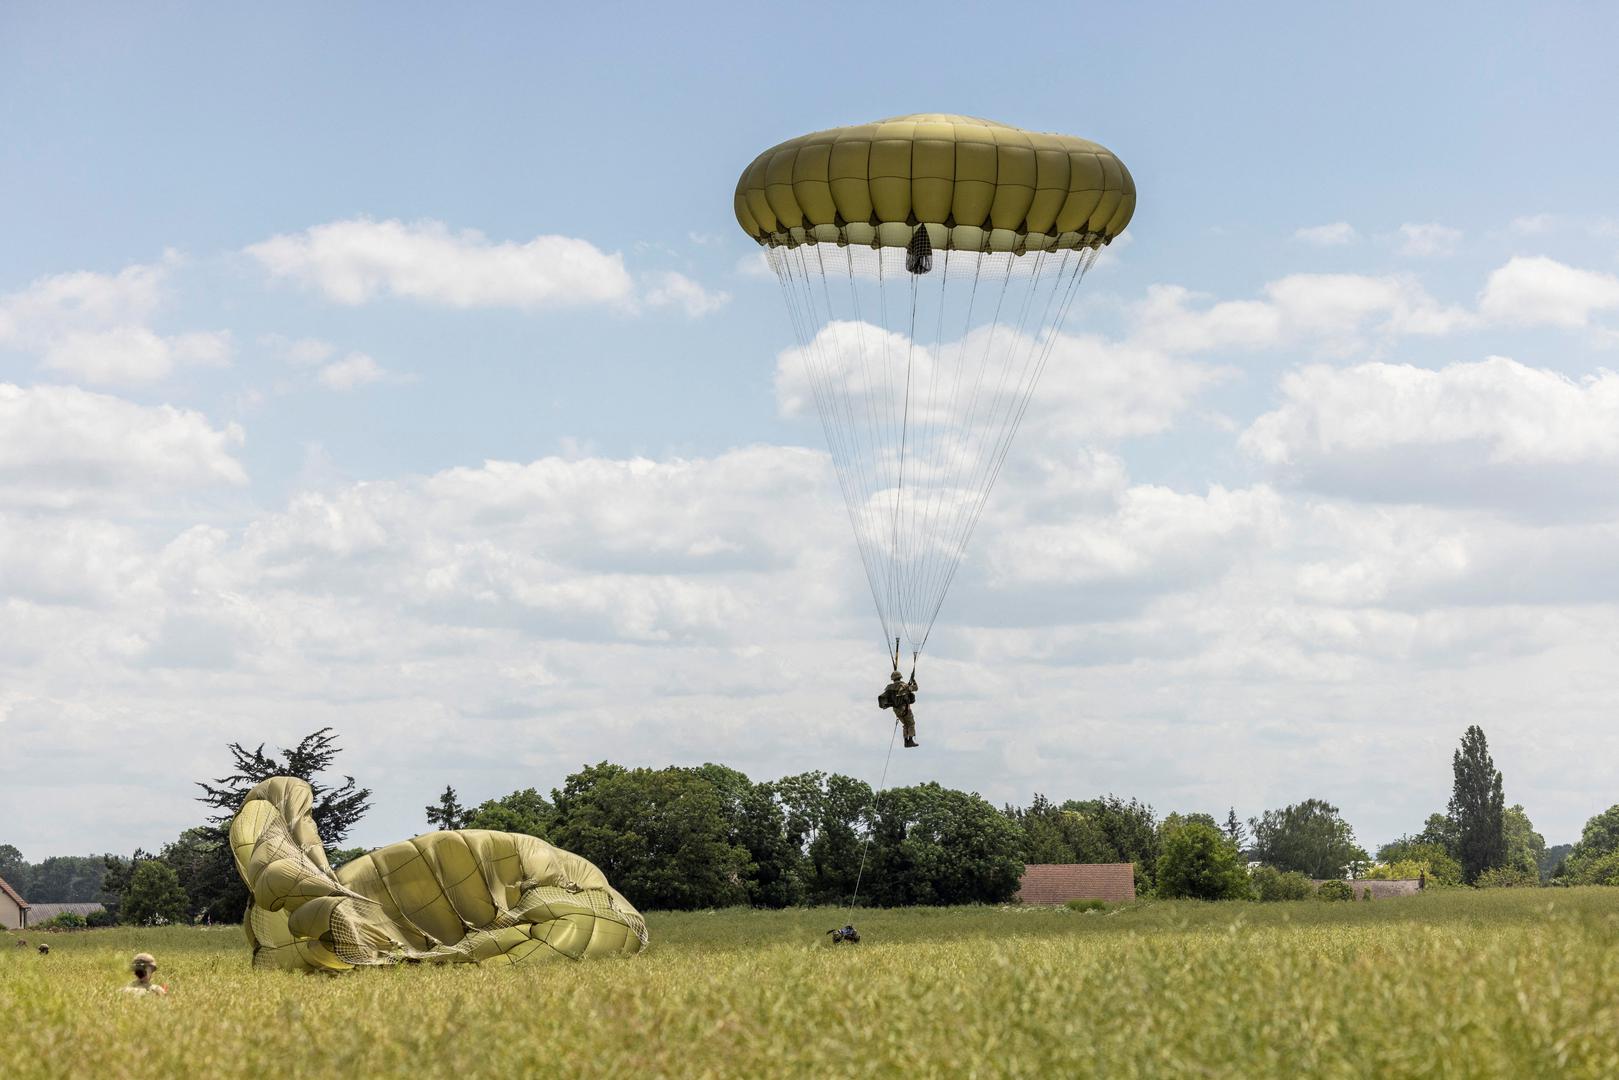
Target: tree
(1234, 830)
(1477, 806)
(661, 836)
(1599, 839)
(447, 813)
(60, 879)
(1525, 847)
(1057, 834)
(153, 895)
(1128, 830)
(1440, 830)
(1309, 837)
(525, 811)
(758, 825)
(936, 845)
(825, 817)
(1201, 863)
(14, 868)
(199, 866)
(1553, 861)
(1410, 857)
(336, 810)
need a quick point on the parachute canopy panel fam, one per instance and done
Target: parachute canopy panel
(975, 184)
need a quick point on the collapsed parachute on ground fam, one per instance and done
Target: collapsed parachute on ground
(928, 263)
(470, 896)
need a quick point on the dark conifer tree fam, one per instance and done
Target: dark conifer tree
(1477, 807)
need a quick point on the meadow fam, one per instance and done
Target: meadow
(1449, 984)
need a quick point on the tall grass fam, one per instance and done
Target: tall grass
(1503, 983)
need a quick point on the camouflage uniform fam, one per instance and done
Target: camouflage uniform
(144, 967)
(900, 696)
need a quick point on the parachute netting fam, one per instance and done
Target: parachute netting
(921, 364)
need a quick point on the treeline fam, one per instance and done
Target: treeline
(709, 836)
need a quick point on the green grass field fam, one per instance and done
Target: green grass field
(1503, 983)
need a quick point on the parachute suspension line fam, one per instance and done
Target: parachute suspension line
(961, 446)
(871, 827)
(1000, 423)
(901, 551)
(798, 294)
(939, 495)
(1083, 262)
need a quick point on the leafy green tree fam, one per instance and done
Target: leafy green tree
(60, 879)
(1440, 830)
(935, 845)
(1593, 870)
(14, 868)
(337, 809)
(1128, 831)
(1200, 862)
(1477, 806)
(1409, 857)
(337, 857)
(661, 836)
(758, 825)
(1309, 837)
(1271, 885)
(525, 811)
(1525, 846)
(1508, 877)
(447, 813)
(825, 817)
(198, 865)
(153, 895)
(1057, 834)
(1599, 839)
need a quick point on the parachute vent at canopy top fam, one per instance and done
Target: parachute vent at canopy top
(975, 185)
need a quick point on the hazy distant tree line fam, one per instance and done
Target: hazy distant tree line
(709, 836)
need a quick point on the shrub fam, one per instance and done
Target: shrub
(1508, 877)
(1335, 890)
(1270, 884)
(1366, 893)
(100, 917)
(1598, 870)
(67, 920)
(1086, 905)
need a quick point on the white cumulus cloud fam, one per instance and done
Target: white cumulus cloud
(671, 289)
(357, 260)
(61, 446)
(1538, 291)
(97, 326)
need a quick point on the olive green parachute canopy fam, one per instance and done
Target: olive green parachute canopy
(469, 896)
(976, 185)
(928, 264)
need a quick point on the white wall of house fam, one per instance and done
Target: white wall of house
(10, 913)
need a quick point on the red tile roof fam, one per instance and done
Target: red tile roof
(1058, 883)
(9, 891)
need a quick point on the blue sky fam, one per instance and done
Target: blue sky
(1334, 537)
